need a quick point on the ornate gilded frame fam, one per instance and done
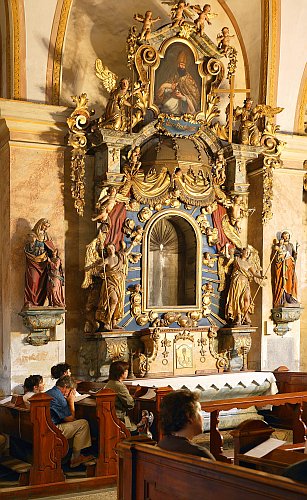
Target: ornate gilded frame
(197, 307)
(151, 57)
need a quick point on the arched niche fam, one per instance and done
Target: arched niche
(172, 263)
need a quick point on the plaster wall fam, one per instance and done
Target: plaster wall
(293, 50)
(38, 23)
(33, 164)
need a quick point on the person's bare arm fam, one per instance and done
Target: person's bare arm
(71, 404)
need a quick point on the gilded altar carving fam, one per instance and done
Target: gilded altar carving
(173, 197)
(78, 124)
(116, 348)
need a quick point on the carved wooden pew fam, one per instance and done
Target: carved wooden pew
(34, 426)
(255, 432)
(214, 407)
(147, 472)
(288, 381)
(106, 428)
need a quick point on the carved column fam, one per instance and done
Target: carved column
(109, 163)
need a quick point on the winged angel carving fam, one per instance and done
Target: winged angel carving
(240, 304)
(121, 112)
(180, 11)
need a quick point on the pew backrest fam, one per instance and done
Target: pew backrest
(149, 472)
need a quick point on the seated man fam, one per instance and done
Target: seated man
(62, 410)
(32, 385)
(181, 420)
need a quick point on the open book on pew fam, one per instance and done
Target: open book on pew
(264, 448)
(82, 396)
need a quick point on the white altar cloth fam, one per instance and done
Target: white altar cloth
(212, 381)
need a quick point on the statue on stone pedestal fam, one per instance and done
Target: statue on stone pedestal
(284, 276)
(55, 290)
(38, 250)
(113, 271)
(239, 304)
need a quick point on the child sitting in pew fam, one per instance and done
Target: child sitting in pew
(181, 420)
(124, 401)
(32, 385)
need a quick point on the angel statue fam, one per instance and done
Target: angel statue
(179, 12)
(248, 117)
(204, 14)
(147, 21)
(223, 40)
(116, 115)
(240, 304)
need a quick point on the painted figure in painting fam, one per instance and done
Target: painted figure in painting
(179, 94)
(239, 304)
(38, 249)
(284, 276)
(55, 284)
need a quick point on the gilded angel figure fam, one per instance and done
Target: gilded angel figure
(116, 115)
(204, 15)
(240, 305)
(179, 11)
(148, 22)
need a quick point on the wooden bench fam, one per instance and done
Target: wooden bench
(34, 426)
(288, 381)
(252, 433)
(99, 410)
(146, 472)
(214, 407)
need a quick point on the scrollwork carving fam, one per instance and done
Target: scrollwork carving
(78, 123)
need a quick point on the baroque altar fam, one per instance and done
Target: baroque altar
(168, 274)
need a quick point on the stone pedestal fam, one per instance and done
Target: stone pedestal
(238, 156)
(237, 338)
(282, 316)
(42, 323)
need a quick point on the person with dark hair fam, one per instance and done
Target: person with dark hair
(59, 370)
(62, 411)
(124, 401)
(32, 385)
(181, 420)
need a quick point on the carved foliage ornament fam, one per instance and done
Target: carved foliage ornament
(78, 123)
